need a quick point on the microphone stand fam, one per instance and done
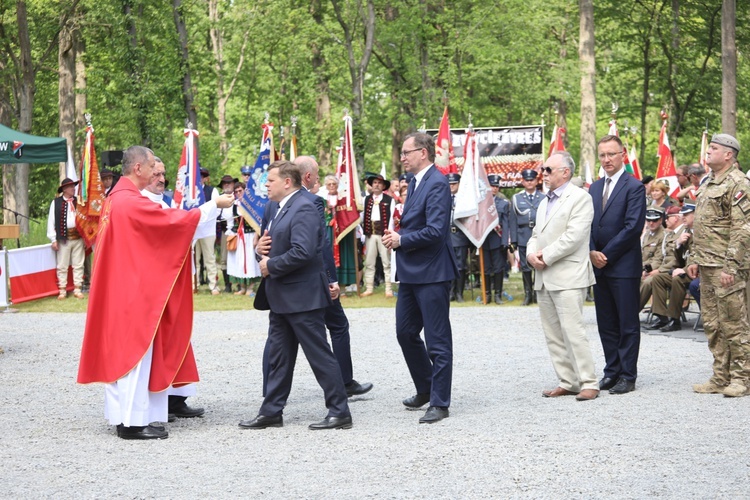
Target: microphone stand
(17, 214)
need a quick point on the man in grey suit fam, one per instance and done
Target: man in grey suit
(558, 250)
(296, 289)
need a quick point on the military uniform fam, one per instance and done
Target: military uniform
(495, 247)
(461, 246)
(666, 285)
(651, 248)
(720, 243)
(669, 262)
(522, 220)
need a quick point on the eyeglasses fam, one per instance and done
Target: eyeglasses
(404, 153)
(607, 156)
(548, 170)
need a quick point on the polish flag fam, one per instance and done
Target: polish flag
(33, 273)
(665, 171)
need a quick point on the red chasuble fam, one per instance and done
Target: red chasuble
(141, 292)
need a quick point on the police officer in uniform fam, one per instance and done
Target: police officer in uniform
(719, 254)
(522, 219)
(496, 245)
(461, 245)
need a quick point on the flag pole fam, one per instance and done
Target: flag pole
(481, 252)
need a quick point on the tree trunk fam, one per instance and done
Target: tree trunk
(81, 102)
(645, 98)
(26, 111)
(66, 98)
(322, 89)
(588, 84)
(187, 84)
(9, 170)
(728, 68)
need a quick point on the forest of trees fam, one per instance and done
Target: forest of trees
(142, 68)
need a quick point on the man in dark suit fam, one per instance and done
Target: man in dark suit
(335, 318)
(296, 289)
(425, 268)
(615, 251)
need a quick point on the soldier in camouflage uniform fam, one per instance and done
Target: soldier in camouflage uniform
(673, 286)
(666, 263)
(720, 241)
(652, 239)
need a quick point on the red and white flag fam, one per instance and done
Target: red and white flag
(445, 160)
(188, 191)
(557, 141)
(666, 171)
(635, 163)
(704, 148)
(33, 273)
(589, 180)
(350, 195)
(475, 213)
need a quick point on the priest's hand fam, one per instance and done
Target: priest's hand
(264, 267)
(225, 200)
(263, 246)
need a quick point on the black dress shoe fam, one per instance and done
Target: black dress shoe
(141, 432)
(674, 325)
(416, 401)
(657, 323)
(262, 422)
(354, 388)
(623, 386)
(184, 411)
(171, 417)
(434, 414)
(607, 383)
(332, 423)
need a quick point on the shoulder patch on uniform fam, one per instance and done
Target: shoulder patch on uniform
(739, 195)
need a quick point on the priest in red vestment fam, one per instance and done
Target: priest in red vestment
(140, 316)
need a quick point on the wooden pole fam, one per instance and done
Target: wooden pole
(481, 276)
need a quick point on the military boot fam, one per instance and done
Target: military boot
(487, 289)
(460, 284)
(499, 288)
(528, 289)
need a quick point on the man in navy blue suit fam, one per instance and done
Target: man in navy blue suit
(425, 267)
(296, 289)
(619, 217)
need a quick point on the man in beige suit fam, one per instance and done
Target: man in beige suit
(558, 250)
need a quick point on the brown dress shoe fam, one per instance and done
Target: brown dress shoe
(587, 395)
(557, 392)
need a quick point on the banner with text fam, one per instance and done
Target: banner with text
(505, 151)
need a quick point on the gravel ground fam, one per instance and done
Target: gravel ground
(502, 438)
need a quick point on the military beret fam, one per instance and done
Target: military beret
(654, 213)
(673, 210)
(494, 180)
(726, 140)
(453, 178)
(687, 208)
(529, 174)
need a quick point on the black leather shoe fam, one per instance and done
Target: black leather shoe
(184, 411)
(140, 432)
(657, 323)
(171, 417)
(332, 423)
(623, 386)
(674, 325)
(417, 401)
(354, 388)
(607, 383)
(262, 422)
(434, 414)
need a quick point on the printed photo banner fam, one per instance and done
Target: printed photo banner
(505, 151)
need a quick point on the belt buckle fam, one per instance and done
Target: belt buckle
(532, 224)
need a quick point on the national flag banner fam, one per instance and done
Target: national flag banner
(445, 159)
(557, 141)
(91, 198)
(666, 171)
(71, 172)
(350, 196)
(253, 201)
(188, 191)
(626, 159)
(588, 178)
(613, 128)
(33, 273)
(475, 213)
(635, 164)
(704, 148)
(293, 147)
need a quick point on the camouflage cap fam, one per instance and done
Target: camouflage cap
(726, 140)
